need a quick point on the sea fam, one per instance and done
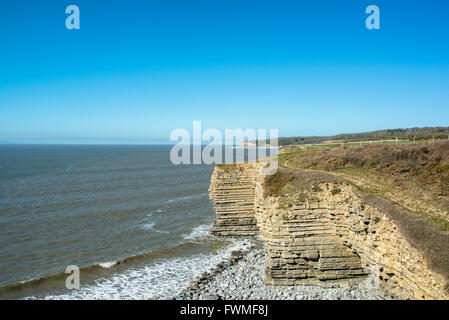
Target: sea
(136, 225)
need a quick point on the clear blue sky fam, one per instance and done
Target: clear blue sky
(136, 70)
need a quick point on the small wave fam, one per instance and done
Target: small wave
(150, 226)
(151, 214)
(187, 197)
(198, 232)
(165, 279)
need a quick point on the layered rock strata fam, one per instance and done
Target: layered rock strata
(232, 193)
(304, 246)
(332, 233)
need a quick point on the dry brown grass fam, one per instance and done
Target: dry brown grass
(426, 162)
(297, 180)
(425, 165)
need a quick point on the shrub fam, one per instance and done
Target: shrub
(335, 191)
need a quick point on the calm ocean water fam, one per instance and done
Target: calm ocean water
(135, 224)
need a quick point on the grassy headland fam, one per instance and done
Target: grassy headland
(413, 175)
(410, 181)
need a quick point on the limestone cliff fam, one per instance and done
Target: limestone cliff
(319, 229)
(232, 193)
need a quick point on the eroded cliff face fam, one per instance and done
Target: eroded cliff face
(232, 193)
(329, 232)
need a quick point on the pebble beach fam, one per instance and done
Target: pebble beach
(242, 278)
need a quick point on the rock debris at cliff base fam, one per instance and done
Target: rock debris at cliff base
(242, 277)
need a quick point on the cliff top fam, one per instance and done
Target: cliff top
(414, 175)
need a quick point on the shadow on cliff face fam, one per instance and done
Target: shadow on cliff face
(427, 237)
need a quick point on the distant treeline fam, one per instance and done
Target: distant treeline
(408, 133)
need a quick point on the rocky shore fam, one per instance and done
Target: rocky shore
(242, 277)
(319, 230)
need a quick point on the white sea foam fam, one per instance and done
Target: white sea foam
(150, 226)
(165, 279)
(108, 264)
(147, 226)
(198, 232)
